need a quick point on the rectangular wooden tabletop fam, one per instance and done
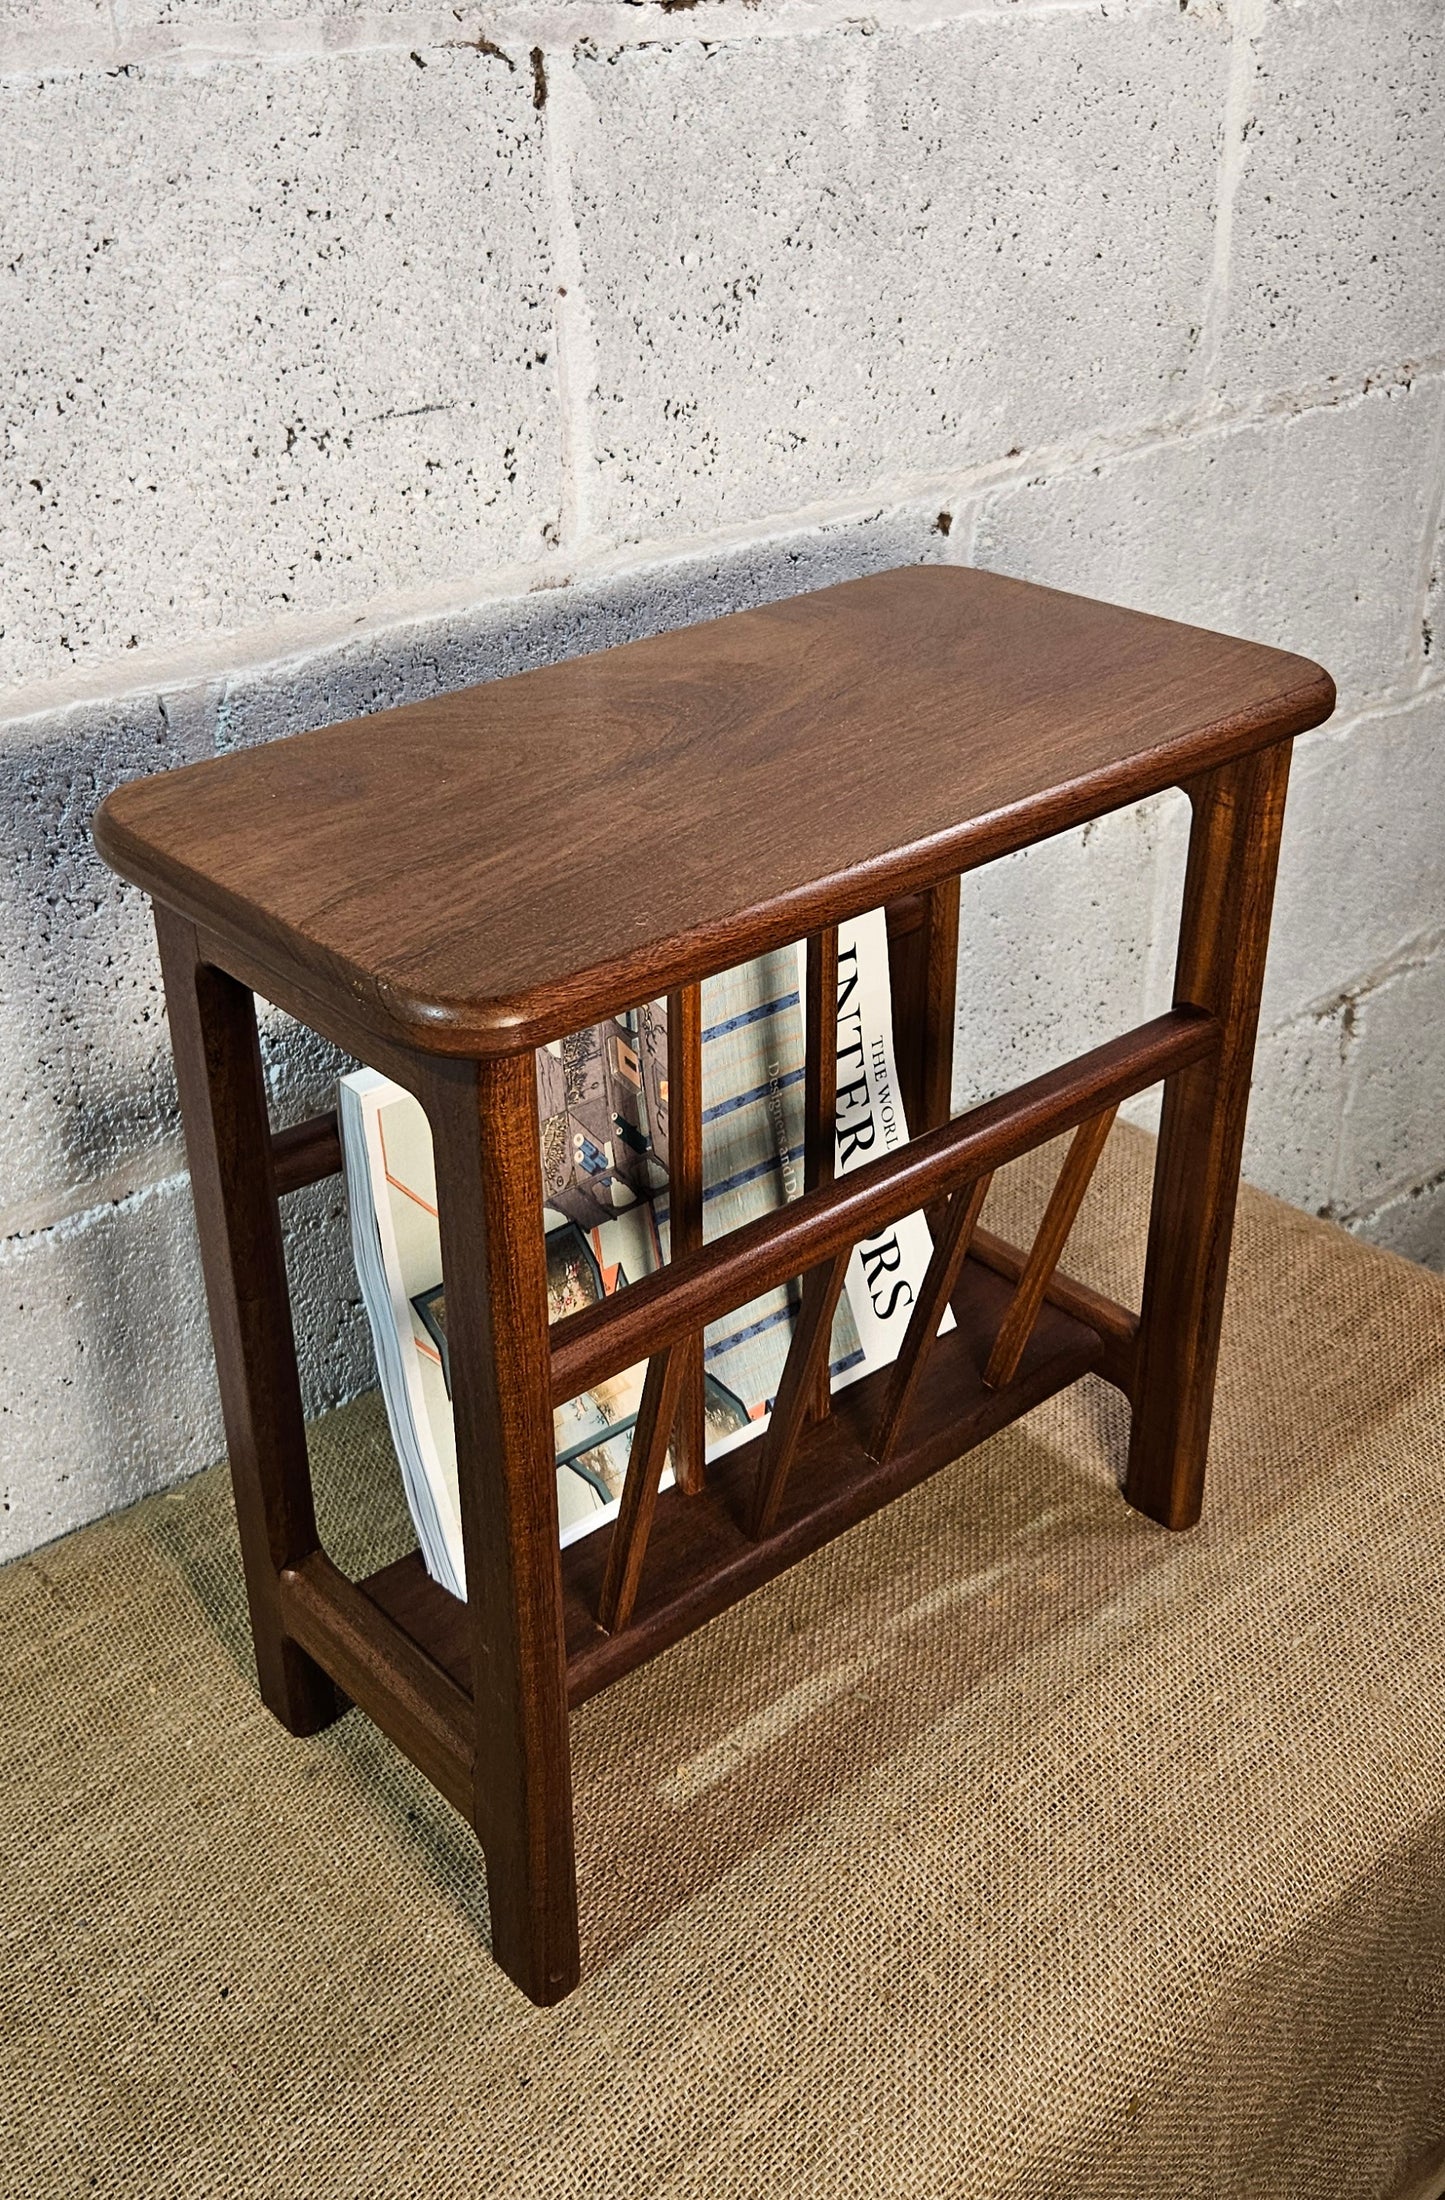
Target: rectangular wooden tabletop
(492, 868)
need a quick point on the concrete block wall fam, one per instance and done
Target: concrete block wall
(352, 353)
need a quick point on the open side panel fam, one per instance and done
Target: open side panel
(699, 1557)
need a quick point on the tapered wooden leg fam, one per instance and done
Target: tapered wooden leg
(1224, 934)
(489, 1198)
(228, 1144)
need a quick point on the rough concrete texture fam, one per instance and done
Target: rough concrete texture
(261, 333)
(351, 355)
(1393, 1106)
(1361, 873)
(84, 1058)
(1059, 949)
(1040, 192)
(1341, 200)
(106, 1387)
(1414, 1224)
(1303, 529)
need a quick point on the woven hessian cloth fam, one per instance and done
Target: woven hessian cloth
(1011, 1846)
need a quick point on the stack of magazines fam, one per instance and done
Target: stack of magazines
(602, 1099)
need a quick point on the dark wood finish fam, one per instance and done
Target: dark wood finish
(413, 1699)
(805, 1366)
(228, 1146)
(923, 970)
(1117, 1327)
(591, 1345)
(684, 1195)
(1049, 1241)
(873, 739)
(820, 1127)
(940, 1280)
(306, 1152)
(1224, 935)
(940, 1008)
(628, 1541)
(908, 978)
(332, 1015)
(489, 1175)
(701, 1558)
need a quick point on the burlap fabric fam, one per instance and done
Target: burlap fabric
(1010, 1847)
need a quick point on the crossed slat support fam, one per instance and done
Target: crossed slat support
(955, 1233)
(952, 1164)
(1049, 1241)
(660, 1392)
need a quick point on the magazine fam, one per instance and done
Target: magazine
(602, 1105)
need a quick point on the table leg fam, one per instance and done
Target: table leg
(1224, 934)
(489, 1198)
(228, 1144)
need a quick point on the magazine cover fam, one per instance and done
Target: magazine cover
(602, 1107)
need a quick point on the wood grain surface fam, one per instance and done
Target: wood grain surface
(486, 870)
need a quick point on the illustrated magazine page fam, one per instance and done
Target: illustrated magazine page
(602, 1106)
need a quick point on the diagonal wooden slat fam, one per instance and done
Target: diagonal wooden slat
(1053, 1233)
(684, 1193)
(955, 1233)
(820, 1104)
(639, 1491)
(1117, 1328)
(767, 1252)
(807, 1353)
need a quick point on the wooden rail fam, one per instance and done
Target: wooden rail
(307, 1152)
(590, 1346)
(386, 1672)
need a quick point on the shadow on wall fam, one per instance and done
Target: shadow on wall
(105, 1368)
(104, 1353)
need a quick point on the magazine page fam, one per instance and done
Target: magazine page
(392, 1188)
(887, 1270)
(752, 1164)
(360, 1097)
(603, 1133)
(602, 1102)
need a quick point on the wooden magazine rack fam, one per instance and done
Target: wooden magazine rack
(442, 888)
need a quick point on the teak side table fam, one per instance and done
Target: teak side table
(423, 888)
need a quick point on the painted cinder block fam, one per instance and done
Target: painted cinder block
(1432, 621)
(107, 1384)
(1362, 866)
(1412, 1224)
(280, 338)
(844, 258)
(489, 639)
(1340, 203)
(1059, 951)
(106, 1389)
(1301, 1077)
(84, 1053)
(1305, 530)
(1392, 1132)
